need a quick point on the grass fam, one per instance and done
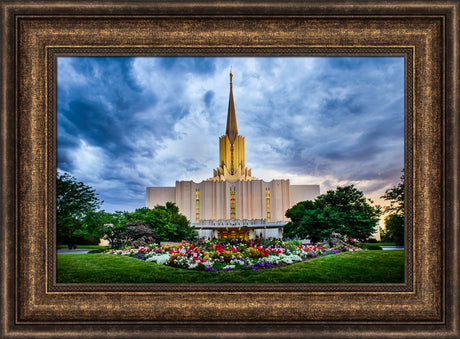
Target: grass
(349, 267)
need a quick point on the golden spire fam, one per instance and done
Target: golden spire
(232, 130)
(231, 76)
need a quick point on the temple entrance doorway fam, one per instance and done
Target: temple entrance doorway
(240, 232)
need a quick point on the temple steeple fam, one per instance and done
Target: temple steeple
(231, 149)
(232, 129)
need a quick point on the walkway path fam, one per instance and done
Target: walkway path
(76, 251)
(390, 248)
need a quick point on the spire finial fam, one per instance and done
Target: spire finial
(231, 76)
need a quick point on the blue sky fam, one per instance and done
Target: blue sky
(128, 123)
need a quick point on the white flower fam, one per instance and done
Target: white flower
(161, 259)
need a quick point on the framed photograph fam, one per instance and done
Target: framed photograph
(36, 38)
(148, 131)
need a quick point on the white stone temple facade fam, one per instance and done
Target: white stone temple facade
(232, 202)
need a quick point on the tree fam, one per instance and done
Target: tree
(396, 197)
(115, 228)
(74, 201)
(138, 234)
(94, 222)
(165, 222)
(394, 228)
(344, 211)
(394, 222)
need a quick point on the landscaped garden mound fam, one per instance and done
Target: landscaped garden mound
(231, 254)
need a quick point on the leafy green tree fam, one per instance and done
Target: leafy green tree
(344, 211)
(166, 223)
(92, 228)
(94, 222)
(306, 222)
(394, 222)
(74, 201)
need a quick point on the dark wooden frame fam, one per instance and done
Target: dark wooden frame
(33, 34)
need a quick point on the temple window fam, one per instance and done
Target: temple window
(232, 204)
(197, 205)
(267, 194)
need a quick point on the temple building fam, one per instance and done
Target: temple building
(232, 202)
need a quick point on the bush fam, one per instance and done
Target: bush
(137, 234)
(294, 242)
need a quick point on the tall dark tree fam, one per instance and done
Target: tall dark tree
(394, 221)
(345, 211)
(74, 201)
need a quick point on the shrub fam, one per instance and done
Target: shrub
(294, 242)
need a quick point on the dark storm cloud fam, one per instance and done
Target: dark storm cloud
(98, 109)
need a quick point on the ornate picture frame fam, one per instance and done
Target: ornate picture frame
(33, 36)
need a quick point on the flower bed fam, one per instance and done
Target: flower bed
(239, 255)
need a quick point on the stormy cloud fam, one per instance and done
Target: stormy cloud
(126, 123)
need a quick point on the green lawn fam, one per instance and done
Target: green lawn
(349, 267)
